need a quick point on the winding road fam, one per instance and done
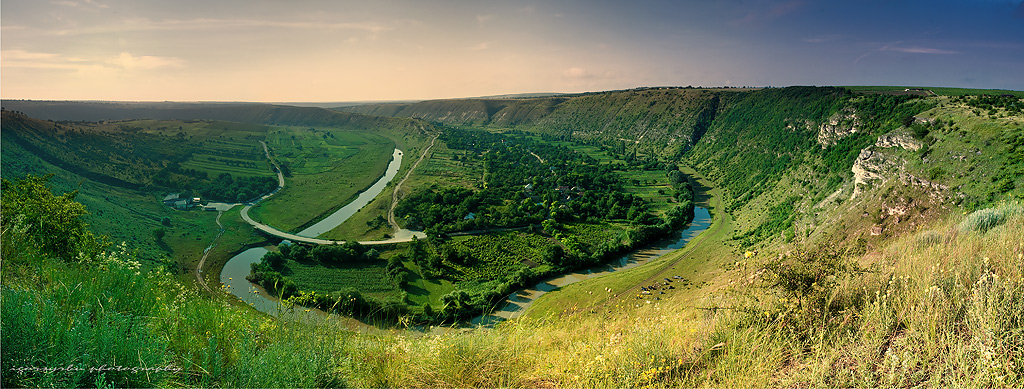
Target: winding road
(400, 235)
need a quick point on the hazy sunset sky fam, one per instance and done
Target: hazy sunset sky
(261, 50)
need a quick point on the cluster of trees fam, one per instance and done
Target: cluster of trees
(521, 190)
(437, 258)
(224, 187)
(242, 189)
(52, 224)
(1010, 103)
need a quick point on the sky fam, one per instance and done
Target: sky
(320, 51)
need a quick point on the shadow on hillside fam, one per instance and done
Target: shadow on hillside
(701, 194)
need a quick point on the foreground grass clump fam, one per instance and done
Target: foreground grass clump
(103, 323)
(983, 220)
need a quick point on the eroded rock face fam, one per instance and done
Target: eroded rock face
(837, 127)
(899, 138)
(876, 166)
(871, 167)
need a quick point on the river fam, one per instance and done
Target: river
(339, 216)
(237, 268)
(235, 271)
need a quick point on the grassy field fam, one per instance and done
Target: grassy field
(497, 254)
(592, 235)
(426, 290)
(442, 168)
(328, 169)
(370, 222)
(369, 278)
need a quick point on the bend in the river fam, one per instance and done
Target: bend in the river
(308, 235)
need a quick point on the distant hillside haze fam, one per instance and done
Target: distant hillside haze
(233, 112)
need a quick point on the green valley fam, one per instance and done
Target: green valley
(859, 236)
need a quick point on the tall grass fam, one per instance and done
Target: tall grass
(103, 323)
(947, 313)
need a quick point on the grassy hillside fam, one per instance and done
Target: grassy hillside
(858, 240)
(940, 307)
(123, 214)
(123, 169)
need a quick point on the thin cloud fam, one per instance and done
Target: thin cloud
(147, 62)
(920, 50)
(481, 46)
(20, 55)
(483, 19)
(578, 73)
(80, 4)
(895, 47)
(143, 24)
(123, 61)
(916, 50)
(822, 39)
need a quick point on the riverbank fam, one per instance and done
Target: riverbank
(519, 302)
(695, 263)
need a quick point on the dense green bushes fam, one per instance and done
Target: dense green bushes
(51, 222)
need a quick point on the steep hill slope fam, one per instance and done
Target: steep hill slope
(786, 157)
(666, 117)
